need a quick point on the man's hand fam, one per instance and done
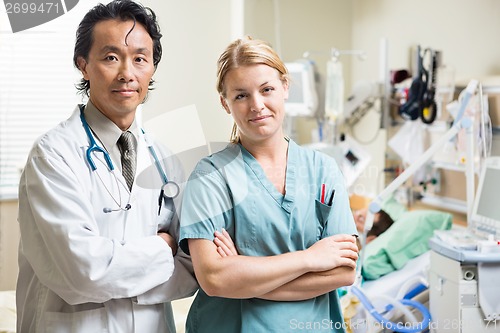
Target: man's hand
(169, 240)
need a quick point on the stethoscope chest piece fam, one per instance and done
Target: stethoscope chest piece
(170, 190)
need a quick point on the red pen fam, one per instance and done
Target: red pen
(323, 190)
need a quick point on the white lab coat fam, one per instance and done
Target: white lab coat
(83, 270)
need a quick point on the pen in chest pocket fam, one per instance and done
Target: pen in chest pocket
(330, 201)
(323, 195)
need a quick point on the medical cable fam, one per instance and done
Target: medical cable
(386, 323)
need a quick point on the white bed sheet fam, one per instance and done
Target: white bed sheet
(391, 283)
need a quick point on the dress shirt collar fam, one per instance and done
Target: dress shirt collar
(106, 131)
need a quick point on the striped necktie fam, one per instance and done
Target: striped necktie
(126, 144)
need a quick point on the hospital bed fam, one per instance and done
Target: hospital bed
(412, 279)
(395, 266)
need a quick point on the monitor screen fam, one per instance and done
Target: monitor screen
(351, 157)
(487, 206)
(302, 97)
(296, 88)
(486, 213)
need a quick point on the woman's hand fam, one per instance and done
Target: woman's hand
(224, 243)
(332, 252)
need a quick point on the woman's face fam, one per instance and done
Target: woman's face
(255, 97)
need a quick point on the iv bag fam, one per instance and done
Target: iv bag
(334, 96)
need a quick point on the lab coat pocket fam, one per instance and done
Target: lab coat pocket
(322, 213)
(77, 322)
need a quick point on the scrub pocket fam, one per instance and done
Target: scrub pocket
(322, 213)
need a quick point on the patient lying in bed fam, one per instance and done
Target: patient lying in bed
(392, 245)
(381, 222)
(397, 253)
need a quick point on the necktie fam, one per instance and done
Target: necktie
(126, 144)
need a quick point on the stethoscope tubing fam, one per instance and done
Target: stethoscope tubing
(94, 147)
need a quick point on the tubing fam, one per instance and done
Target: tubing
(419, 283)
(403, 294)
(391, 310)
(396, 327)
(464, 99)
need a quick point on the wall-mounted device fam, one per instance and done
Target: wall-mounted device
(350, 156)
(302, 96)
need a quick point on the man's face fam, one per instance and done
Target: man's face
(119, 68)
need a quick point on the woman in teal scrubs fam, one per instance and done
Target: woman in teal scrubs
(285, 207)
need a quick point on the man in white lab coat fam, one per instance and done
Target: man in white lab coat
(98, 250)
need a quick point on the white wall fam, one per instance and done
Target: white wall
(464, 30)
(194, 32)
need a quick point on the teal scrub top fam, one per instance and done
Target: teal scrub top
(230, 190)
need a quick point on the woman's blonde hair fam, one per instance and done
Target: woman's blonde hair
(243, 52)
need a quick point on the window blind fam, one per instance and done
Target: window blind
(37, 88)
(36, 92)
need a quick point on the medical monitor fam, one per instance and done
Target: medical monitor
(351, 157)
(302, 97)
(486, 210)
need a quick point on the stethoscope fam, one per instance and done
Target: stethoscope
(169, 189)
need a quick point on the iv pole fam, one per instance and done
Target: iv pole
(334, 96)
